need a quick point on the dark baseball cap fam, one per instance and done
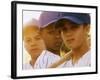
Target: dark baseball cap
(78, 18)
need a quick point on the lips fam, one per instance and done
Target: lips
(34, 49)
(70, 40)
(58, 43)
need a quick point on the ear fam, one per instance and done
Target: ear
(87, 28)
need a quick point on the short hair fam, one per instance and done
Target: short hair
(31, 26)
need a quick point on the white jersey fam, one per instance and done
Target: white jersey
(27, 66)
(45, 60)
(85, 60)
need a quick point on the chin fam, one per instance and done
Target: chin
(71, 46)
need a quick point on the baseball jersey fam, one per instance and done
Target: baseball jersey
(46, 59)
(27, 66)
(85, 60)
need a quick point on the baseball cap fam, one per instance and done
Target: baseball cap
(48, 17)
(78, 18)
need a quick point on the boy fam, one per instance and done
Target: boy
(50, 35)
(74, 32)
(51, 38)
(35, 46)
(32, 41)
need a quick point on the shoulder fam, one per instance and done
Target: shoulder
(45, 59)
(47, 54)
(50, 54)
(86, 59)
(87, 56)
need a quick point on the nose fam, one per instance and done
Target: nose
(67, 32)
(33, 43)
(57, 36)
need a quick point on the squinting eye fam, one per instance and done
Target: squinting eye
(51, 32)
(64, 29)
(74, 27)
(58, 31)
(38, 38)
(28, 40)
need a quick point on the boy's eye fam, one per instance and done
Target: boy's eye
(74, 27)
(64, 29)
(37, 37)
(50, 32)
(28, 40)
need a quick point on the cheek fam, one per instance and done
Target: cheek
(27, 47)
(50, 39)
(63, 38)
(79, 38)
(45, 37)
(41, 43)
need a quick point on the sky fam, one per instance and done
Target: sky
(28, 15)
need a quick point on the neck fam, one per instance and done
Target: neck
(33, 59)
(32, 62)
(79, 52)
(57, 52)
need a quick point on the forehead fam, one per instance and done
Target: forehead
(68, 22)
(63, 22)
(31, 36)
(30, 30)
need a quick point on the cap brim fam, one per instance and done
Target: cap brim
(53, 21)
(73, 19)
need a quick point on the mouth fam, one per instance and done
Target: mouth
(58, 44)
(70, 40)
(34, 49)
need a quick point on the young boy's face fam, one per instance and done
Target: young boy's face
(74, 35)
(33, 42)
(52, 38)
